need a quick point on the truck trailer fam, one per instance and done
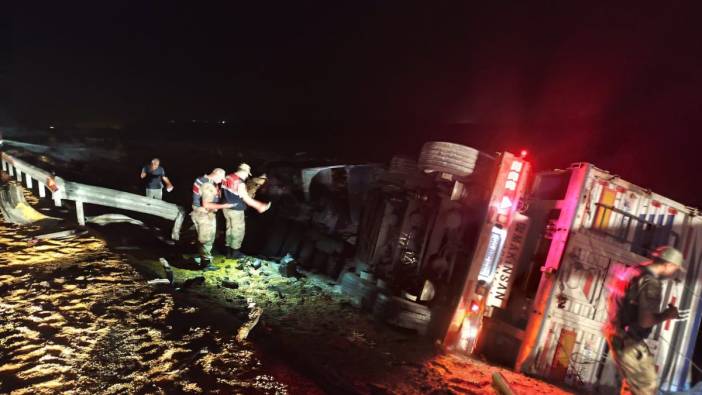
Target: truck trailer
(493, 263)
(586, 227)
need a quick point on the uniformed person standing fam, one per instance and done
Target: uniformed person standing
(634, 309)
(206, 196)
(235, 194)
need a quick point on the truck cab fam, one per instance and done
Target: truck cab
(433, 237)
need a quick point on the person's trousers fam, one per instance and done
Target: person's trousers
(154, 193)
(206, 226)
(636, 366)
(236, 228)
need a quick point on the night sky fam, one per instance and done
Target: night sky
(618, 86)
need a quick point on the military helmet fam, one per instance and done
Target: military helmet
(668, 254)
(245, 168)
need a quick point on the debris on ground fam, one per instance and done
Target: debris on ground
(61, 234)
(157, 281)
(248, 326)
(230, 284)
(501, 385)
(107, 219)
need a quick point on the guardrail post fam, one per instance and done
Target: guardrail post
(42, 189)
(10, 170)
(177, 224)
(79, 213)
(29, 181)
(18, 173)
(57, 199)
(4, 164)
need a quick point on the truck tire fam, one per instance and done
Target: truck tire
(361, 292)
(402, 165)
(450, 158)
(402, 313)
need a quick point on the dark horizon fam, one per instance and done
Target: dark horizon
(605, 84)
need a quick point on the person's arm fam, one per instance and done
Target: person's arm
(166, 181)
(216, 206)
(258, 206)
(648, 319)
(649, 302)
(208, 197)
(143, 173)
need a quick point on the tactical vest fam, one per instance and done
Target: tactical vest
(231, 192)
(628, 306)
(197, 194)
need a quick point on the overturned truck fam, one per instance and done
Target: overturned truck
(470, 249)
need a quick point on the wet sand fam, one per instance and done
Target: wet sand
(78, 318)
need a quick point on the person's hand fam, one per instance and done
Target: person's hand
(672, 313)
(264, 208)
(169, 188)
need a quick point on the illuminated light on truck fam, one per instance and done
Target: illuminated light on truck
(474, 307)
(468, 335)
(489, 267)
(492, 254)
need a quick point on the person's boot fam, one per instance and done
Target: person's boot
(236, 254)
(205, 263)
(230, 253)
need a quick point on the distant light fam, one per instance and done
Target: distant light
(524, 153)
(222, 122)
(51, 127)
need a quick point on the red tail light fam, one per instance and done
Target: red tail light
(474, 307)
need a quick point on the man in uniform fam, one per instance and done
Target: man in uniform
(205, 204)
(235, 194)
(634, 309)
(155, 178)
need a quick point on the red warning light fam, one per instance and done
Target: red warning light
(474, 307)
(523, 153)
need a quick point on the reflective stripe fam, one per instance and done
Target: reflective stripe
(230, 185)
(197, 196)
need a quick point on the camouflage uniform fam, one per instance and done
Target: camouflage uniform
(205, 220)
(234, 217)
(236, 227)
(638, 290)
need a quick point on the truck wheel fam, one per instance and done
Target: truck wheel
(362, 293)
(402, 165)
(451, 158)
(402, 313)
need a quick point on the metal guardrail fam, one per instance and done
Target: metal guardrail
(81, 193)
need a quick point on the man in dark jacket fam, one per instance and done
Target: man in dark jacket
(234, 193)
(155, 177)
(634, 309)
